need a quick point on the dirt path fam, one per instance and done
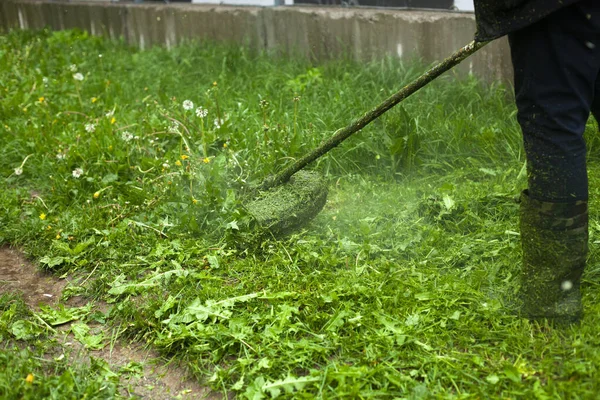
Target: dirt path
(158, 381)
(17, 275)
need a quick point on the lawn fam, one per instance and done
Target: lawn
(126, 172)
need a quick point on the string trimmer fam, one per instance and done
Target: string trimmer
(291, 198)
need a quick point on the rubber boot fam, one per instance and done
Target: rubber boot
(554, 238)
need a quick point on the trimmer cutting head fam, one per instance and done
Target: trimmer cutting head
(291, 205)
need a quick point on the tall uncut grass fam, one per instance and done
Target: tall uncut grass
(272, 110)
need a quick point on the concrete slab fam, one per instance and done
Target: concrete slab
(317, 32)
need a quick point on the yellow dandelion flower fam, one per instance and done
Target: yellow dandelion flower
(57, 236)
(215, 83)
(178, 163)
(96, 195)
(94, 99)
(224, 145)
(206, 160)
(49, 227)
(195, 201)
(41, 99)
(29, 379)
(184, 157)
(113, 120)
(42, 216)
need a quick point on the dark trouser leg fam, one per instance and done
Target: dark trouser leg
(596, 103)
(556, 64)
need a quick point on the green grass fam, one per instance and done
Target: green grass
(34, 366)
(402, 287)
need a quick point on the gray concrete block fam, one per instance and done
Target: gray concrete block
(317, 32)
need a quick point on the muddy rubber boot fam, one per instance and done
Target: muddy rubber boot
(554, 238)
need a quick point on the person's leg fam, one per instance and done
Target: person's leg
(556, 62)
(596, 103)
(554, 239)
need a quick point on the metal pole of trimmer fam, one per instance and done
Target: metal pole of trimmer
(342, 134)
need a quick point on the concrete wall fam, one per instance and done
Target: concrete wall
(317, 32)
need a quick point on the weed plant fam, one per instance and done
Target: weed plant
(41, 370)
(125, 168)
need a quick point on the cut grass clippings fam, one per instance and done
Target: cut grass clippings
(128, 167)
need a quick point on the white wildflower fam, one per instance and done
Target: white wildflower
(218, 122)
(174, 128)
(19, 169)
(77, 172)
(126, 136)
(110, 113)
(73, 68)
(61, 156)
(165, 165)
(188, 105)
(45, 80)
(78, 76)
(201, 112)
(90, 128)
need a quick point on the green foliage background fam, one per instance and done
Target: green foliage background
(403, 287)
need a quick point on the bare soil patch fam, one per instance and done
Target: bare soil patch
(17, 275)
(158, 381)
